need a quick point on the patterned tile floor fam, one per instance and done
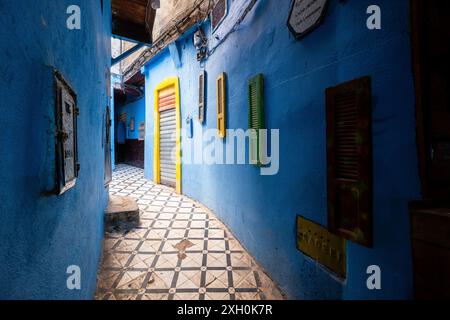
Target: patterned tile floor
(179, 251)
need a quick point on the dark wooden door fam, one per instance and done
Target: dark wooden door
(107, 145)
(430, 217)
(431, 47)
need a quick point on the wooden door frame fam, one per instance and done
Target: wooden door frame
(417, 18)
(166, 83)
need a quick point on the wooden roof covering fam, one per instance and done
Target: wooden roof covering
(133, 20)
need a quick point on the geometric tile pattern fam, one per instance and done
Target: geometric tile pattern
(180, 251)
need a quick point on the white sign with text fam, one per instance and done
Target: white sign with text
(306, 15)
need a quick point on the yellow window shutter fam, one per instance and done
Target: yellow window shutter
(221, 105)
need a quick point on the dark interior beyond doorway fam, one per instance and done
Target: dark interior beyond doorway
(131, 153)
(430, 217)
(130, 123)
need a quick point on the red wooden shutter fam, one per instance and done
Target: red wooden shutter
(349, 153)
(167, 100)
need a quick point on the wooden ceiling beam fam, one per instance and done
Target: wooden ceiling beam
(128, 30)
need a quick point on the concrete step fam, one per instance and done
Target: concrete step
(122, 214)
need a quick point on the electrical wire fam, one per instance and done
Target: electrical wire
(171, 34)
(135, 89)
(235, 26)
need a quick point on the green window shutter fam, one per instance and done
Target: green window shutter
(256, 116)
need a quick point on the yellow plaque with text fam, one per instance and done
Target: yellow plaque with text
(321, 245)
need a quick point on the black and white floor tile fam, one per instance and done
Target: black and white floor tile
(179, 251)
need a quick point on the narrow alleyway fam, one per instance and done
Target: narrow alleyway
(179, 251)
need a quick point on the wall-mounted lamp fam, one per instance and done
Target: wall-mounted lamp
(155, 4)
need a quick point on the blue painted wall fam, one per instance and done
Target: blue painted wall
(261, 210)
(43, 235)
(136, 110)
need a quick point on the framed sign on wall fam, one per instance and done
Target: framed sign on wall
(306, 16)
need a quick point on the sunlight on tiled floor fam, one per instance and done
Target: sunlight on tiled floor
(179, 251)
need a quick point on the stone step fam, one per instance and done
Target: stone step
(122, 213)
